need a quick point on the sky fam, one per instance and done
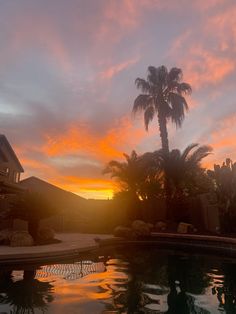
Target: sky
(67, 72)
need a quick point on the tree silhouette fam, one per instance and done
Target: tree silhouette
(162, 95)
(224, 178)
(26, 296)
(184, 169)
(138, 177)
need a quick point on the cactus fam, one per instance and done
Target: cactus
(224, 178)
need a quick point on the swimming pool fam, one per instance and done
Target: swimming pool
(123, 280)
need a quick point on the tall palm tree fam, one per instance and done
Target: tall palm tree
(162, 95)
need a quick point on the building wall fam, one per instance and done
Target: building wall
(13, 174)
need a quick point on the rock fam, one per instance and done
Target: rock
(150, 226)
(137, 224)
(21, 238)
(184, 227)
(46, 233)
(142, 231)
(161, 226)
(5, 236)
(141, 228)
(123, 232)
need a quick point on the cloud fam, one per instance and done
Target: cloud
(82, 139)
(115, 69)
(67, 72)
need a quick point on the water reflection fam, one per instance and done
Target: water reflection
(25, 295)
(124, 281)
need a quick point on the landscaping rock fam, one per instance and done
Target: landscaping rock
(123, 232)
(137, 224)
(150, 226)
(21, 238)
(185, 227)
(141, 228)
(161, 226)
(46, 234)
(5, 236)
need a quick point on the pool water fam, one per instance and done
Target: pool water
(123, 280)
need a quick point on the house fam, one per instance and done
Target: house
(10, 171)
(69, 207)
(10, 168)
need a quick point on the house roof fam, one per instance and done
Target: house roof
(48, 189)
(3, 139)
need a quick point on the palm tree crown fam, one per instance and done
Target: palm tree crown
(162, 94)
(183, 169)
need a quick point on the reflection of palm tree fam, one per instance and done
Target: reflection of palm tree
(226, 294)
(27, 294)
(133, 294)
(187, 275)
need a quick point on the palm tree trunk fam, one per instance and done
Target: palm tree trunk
(163, 133)
(165, 147)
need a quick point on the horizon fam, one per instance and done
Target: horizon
(67, 82)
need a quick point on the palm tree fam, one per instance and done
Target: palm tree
(184, 169)
(135, 172)
(162, 95)
(138, 178)
(185, 175)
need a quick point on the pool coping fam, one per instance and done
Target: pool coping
(73, 245)
(190, 242)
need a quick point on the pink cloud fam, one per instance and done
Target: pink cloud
(115, 69)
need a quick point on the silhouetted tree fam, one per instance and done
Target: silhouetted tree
(162, 95)
(184, 171)
(138, 178)
(28, 295)
(224, 178)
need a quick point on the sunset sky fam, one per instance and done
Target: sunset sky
(67, 71)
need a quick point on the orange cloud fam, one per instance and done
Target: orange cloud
(82, 140)
(115, 69)
(223, 141)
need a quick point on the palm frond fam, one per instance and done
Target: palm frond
(143, 85)
(113, 166)
(141, 103)
(162, 74)
(188, 150)
(184, 88)
(175, 74)
(152, 77)
(178, 105)
(132, 158)
(148, 116)
(202, 152)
